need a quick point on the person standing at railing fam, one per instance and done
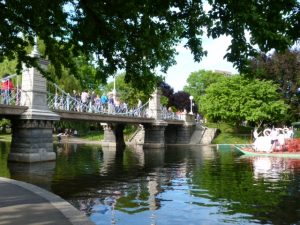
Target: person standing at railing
(92, 99)
(74, 103)
(103, 102)
(6, 89)
(139, 105)
(61, 103)
(78, 101)
(68, 102)
(111, 105)
(84, 100)
(97, 103)
(124, 107)
(117, 105)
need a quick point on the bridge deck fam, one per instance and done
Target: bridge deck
(11, 110)
(7, 111)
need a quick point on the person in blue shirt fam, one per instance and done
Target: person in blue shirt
(103, 101)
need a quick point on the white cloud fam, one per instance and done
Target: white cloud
(177, 75)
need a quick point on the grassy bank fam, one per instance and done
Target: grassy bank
(230, 134)
(99, 135)
(93, 136)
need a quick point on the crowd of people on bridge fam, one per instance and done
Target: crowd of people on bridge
(91, 102)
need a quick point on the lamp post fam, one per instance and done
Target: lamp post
(191, 99)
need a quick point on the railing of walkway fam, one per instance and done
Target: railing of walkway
(167, 115)
(58, 99)
(61, 100)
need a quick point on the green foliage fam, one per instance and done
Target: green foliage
(236, 99)
(4, 123)
(93, 135)
(5, 137)
(164, 100)
(198, 81)
(126, 91)
(8, 67)
(4, 151)
(297, 134)
(140, 36)
(284, 69)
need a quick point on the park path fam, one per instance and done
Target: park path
(23, 203)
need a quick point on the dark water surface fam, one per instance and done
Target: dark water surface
(175, 186)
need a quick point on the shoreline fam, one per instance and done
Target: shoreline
(75, 140)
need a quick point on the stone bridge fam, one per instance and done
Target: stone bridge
(32, 121)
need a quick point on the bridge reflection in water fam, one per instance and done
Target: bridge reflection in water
(176, 186)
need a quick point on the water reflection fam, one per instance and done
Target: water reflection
(272, 168)
(40, 174)
(176, 185)
(4, 151)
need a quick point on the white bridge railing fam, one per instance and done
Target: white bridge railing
(61, 100)
(58, 99)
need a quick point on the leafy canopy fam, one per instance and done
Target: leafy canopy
(284, 69)
(140, 36)
(236, 99)
(198, 81)
(126, 91)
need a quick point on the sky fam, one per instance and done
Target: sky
(177, 75)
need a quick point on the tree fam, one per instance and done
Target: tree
(181, 101)
(236, 99)
(167, 94)
(140, 36)
(284, 69)
(198, 81)
(68, 81)
(126, 92)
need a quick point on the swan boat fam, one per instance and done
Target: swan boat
(276, 142)
(249, 151)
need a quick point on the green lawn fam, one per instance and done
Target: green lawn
(93, 136)
(231, 135)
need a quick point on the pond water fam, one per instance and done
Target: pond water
(178, 185)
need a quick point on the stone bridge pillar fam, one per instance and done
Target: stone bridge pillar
(113, 136)
(181, 134)
(32, 139)
(155, 133)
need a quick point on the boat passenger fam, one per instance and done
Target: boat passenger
(290, 133)
(274, 139)
(255, 134)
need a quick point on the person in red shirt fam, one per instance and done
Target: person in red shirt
(6, 89)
